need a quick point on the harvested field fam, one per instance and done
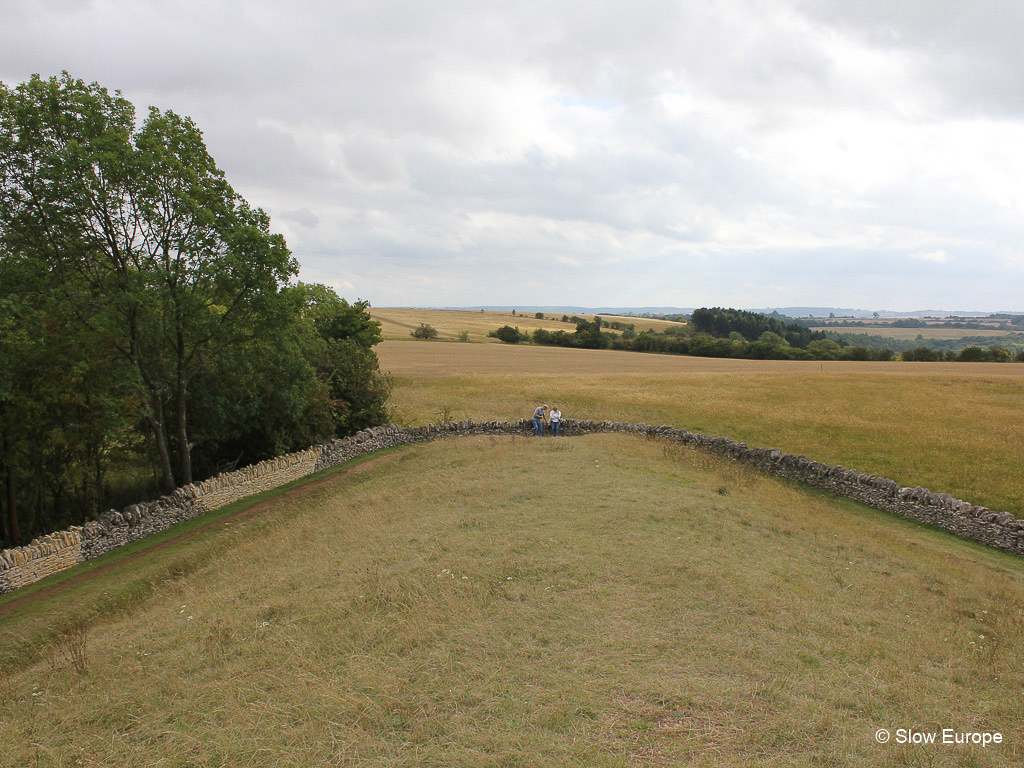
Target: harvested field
(428, 359)
(396, 323)
(951, 427)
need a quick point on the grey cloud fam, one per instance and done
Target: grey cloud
(302, 216)
(419, 149)
(969, 52)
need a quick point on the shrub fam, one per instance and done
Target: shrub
(921, 355)
(424, 332)
(508, 334)
(463, 335)
(552, 338)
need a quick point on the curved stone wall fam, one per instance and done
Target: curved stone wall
(58, 551)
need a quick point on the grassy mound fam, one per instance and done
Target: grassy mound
(598, 601)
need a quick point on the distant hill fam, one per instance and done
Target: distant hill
(566, 308)
(787, 311)
(868, 313)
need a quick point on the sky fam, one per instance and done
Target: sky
(746, 153)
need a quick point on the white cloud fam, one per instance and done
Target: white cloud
(936, 257)
(656, 152)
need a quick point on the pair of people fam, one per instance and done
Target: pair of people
(543, 414)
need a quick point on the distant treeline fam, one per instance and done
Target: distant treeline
(1012, 343)
(720, 332)
(1005, 323)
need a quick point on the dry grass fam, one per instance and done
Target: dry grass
(420, 360)
(952, 427)
(912, 333)
(396, 323)
(599, 601)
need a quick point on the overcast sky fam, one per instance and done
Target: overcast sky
(746, 153)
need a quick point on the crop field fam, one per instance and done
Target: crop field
(592, 601)
(398, 323)
(950, 427)
(913, 333)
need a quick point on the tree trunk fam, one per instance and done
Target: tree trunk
(155, 416)
(99, 481)
(185, 451)
(12, 507)
(154, 408)
(13, 531)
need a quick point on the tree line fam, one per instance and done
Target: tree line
(151, 332)
(719, 332)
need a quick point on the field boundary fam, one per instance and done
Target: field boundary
(59, 551)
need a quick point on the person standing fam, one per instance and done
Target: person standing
(538, 420)
(555, 420)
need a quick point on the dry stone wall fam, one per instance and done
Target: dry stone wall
(58, 551)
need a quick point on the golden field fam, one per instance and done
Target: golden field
(397, 323)
(950, 427)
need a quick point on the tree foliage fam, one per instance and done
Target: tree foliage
(147, 312)
(425, 332)
(508, 334)
(720, 323)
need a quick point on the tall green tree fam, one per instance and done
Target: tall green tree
(150, 243)
(64, 405)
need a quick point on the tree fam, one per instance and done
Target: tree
(425, 331)
(590, 336)
(343, 356)
(148, 239)
(145, 312)
(508, 334)
(825, 349)
(63, 409)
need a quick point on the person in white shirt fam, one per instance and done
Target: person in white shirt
(555, 419)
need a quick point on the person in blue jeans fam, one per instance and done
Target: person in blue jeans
(555, 420)
(538, 420)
